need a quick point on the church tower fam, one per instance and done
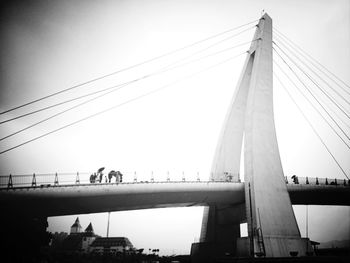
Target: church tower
(76, 227)
(90, 229)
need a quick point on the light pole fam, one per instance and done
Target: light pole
(109, 214)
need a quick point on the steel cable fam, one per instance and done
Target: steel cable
(126, 68)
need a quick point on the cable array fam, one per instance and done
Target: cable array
(330, 75)
(330, 97)
(167, 68)
(129, 67)
(175, 64)
(314, 96)
(119, 105)
(326, 93)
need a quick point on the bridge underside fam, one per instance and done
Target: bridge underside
(83, 199)
(25, 211)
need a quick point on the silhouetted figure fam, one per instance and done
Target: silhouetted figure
(120, 176)
(110, 175)
(93, 178)
(228, 177)
(295, 179)
(117, 174)
(100, 174)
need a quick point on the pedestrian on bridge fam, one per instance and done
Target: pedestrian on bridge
(119, 177)
(99, 172)
(117, 174)
(295, 179)
(110, 175)
(93, 178)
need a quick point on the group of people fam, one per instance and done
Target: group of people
(98, 176)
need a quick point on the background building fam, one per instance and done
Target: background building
(111, 245)
(89, 242)
(76, 227)
(78, 241)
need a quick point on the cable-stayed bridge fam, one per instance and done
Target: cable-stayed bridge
(81, 197)
(263, 201)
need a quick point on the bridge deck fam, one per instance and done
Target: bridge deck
(94, 198)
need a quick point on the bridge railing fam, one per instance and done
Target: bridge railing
(128, 176)
(41, 180)
(59, 179)
(316, 181)
(56, 179)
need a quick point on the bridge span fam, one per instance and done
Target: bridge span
(95, 198)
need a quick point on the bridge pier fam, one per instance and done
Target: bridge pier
(220, 231)
(276, 247)
(24, 237)
(210, 251)
(272, 227)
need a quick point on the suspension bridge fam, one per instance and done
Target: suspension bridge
(264, 200)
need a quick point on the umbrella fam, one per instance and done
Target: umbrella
(100, 170)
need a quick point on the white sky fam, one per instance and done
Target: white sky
(51, 45)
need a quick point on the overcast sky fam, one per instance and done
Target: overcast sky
(51, 45)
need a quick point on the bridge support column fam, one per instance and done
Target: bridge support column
(272, 227)
(24, 236)
(220, 231)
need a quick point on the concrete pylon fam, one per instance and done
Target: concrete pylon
(272, 227)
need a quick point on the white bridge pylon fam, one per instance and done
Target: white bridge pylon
(272, 227)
